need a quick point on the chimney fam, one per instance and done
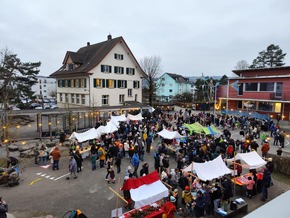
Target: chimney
(109, 37)
(88, 44)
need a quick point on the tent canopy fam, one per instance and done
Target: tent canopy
(116, 119)
(146, 189)
(209, 170)
(136, 117)
(169, 134)
(81, 137)
(252, 159)
(198, 128)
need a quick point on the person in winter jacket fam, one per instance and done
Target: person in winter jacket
(3, 208)
(200, 204)
(186, 195)
(72, 167)
(135, 163)
(55, 153)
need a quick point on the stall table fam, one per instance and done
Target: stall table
(154, 214)
(241, 181)
(85, 152)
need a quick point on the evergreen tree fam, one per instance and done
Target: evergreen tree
(16, 77)
(272, 57)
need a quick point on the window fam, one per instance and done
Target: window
(119, 70)
(83, 99)
(267, 87)
(118, 56)
(170, 90)
(265, 106)
(136, 84)
(44, 81)
(129, 92)
(44, 90)
(60, 97)
(70, 66)
(251, 87)
(106, 69)
(121, 98)
(105, 99)
(130, 71)
(72, 98)
(66, 98)
(44, 85)
(110, 83)
(122, 84)
(99, 83)
(78, 98)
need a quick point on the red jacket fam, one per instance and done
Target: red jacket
(169, 209)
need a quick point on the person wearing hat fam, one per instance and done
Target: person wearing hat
(169, 207)
(265, 148)
(186, 195)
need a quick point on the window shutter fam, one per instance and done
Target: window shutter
(125, 83)
(95, 83)
(115, 83)
(102, 68)
(107, 83)
(63, 83)
(110, 69)
(115, 69)
(122, 70)
(127, 71)
(85, 83)
(138, 84)
(58, 83)
(133, 71)
(115, 56)
(68, 83)
(103, 83)
(119, 83)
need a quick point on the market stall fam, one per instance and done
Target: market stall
(209, 170)
(146, 190)
(134, 117)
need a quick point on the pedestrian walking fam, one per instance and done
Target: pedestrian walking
(135, 163)
(72, 168)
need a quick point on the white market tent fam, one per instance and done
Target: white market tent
(116, 119)
(252, 159)
(209, 170)
(84, 136)
(109, 128)
(169, 134)
(146, 189)
(136, 117)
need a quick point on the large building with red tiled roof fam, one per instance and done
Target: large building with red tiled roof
(99, 75)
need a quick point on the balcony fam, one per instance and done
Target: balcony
(283, 97)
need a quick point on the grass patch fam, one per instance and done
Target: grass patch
(281, 177)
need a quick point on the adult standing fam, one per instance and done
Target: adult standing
(12, 161)
(3, 208)
(266, 182)
(102, 156)
(200, 204)
(36, 153)
(79, 159)
(148, 144)
(135, 163)
(265, 148)
(55, 153)
(169, 208)
(72, 167)
(43, 154)
(62, 137)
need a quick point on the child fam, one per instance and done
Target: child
(111, 175)
(250, 187)
(94, 160)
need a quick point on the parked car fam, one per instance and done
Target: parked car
(54, 106)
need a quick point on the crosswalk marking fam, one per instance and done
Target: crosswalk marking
(50, 177)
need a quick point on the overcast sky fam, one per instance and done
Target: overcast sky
(191, 36)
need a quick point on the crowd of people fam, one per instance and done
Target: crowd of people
(135, 138)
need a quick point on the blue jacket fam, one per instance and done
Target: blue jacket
(135, 160)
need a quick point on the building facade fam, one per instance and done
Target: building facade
(45, 87)
(262, 90)
(99, 75)
(170, 85)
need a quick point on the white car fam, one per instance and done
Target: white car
(54, 106)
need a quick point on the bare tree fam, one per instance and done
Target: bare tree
(242, 65)
(152, 67)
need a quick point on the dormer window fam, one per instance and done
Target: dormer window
(70, 66)
(118, 56)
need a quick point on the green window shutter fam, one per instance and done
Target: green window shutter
(110, 69)
(95, 85)
(125, 83)
(85, 83)
(102, 68)
(119, 83)
(115, 69)
(115, 83)
(127, 71)
(103, 83)
(107, 83)
(122, 70)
